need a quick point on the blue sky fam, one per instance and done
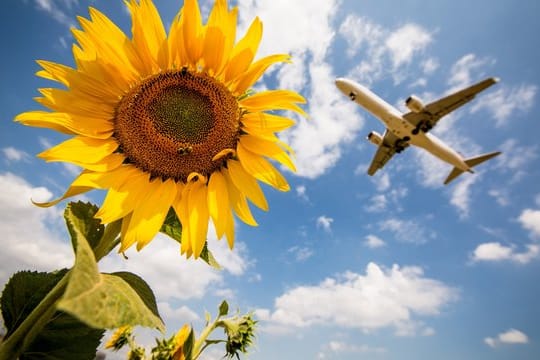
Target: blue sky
(344, 266)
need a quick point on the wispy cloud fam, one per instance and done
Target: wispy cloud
(460, 195)
(325, 223)
(300, 253)
(512, 336)
(54, 9)
(466, 70)
(12, 154)
(408, 231)
(507, 103)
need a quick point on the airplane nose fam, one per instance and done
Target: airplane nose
(342, 85)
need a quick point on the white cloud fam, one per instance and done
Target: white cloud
(12, 154)
(530, 220)
(405, 42)
(430, 65)
(29, 232)
(358, 31)
(325, 222)
(374, 242)
(506, 102)
(495, 251)
(300, 254)
(407, 231)
(512, 336)
(380, 298)
(182, 314)
(382, 183)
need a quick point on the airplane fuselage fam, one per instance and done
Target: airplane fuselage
(397, 124)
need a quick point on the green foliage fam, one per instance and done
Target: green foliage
(141, 288)
(63, 337)
(80, 221)
(104, 301)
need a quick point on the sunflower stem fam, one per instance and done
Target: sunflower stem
(30, 328)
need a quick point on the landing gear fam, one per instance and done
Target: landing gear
(425, 126)
(352, 96)
(401, 144)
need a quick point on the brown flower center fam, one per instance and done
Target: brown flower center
(175, 122)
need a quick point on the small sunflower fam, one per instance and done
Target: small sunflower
(167, 121)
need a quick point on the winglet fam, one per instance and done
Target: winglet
(470, 162)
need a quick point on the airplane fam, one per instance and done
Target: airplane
(412, 128)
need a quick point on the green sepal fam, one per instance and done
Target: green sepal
(80, 219)
(187, 348)
(104, 301)
(173, 228)
(223, 308)
(63, 337)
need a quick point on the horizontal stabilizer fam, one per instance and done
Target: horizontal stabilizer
(471, 163)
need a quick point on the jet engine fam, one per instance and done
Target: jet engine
(414, 104)
(375, 138)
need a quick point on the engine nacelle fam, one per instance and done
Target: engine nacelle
(414, 104)
(375, 138)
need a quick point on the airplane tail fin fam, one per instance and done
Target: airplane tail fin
(471, 162)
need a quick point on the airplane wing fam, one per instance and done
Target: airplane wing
(432, 112)
(388, 147)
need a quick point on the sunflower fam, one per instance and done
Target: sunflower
(168, 121)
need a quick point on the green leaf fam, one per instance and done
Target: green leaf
(187, 348)
(207, 256)
(103, 301)
(223, 308)
(172, 226)
(141, 288)
(63, 337)
(23, 292)
(79, 218)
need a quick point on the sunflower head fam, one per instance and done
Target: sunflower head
(165, 120)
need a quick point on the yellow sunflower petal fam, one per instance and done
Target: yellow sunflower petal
(215, 38)
(67, 124)
(110, 179)
(244, 52)
(149, 36)
(125, 198)
(175, 41)
(124, 245)
(238, 201)
(267, 148)
(193, 31)
(198, 216)
(147, 219)
(261, 169)
(255, 71)
(248, 184)
(218, 202)
(67, 102)
(70, 192)
(80, 149)
(181, 208)
(268, 122)
(274, 100)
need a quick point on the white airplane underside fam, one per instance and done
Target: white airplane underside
(413, 128)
